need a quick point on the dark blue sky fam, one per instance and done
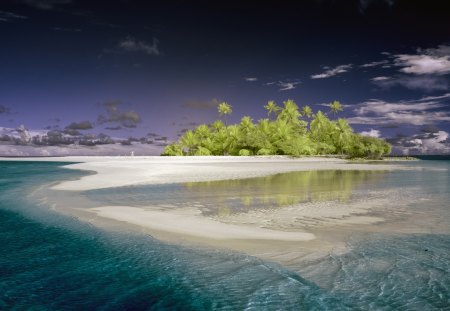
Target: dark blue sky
(131, 68)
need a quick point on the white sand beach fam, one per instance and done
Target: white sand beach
(126, 171)
(292, 224)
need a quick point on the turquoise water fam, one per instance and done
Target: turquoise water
(54, 262)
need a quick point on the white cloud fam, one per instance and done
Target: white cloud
(382, 107)
(380, 78)
(427, 143)
(286, 86)
(432, 61)
(423, 70)
(423, 64)
(251, 79)
(402, 118)
(414, 112)
(130, 44)
(443, 96)
(441, 50)
(332, 72)
(374, 64)
(426, 83)
(371, 133)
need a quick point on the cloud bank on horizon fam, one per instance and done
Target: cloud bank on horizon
(168, 66)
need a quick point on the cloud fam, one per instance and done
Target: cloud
(199, 104)
(83, 125)
(375, 64)
(383, 107)
(71, 132)
(4, 109)
(430, 128)
(82, 150)
(10, 16)
(432, 61)
(424, 70)
(426, 83)
(284, 85)
(380, 78)
(421, 111)
(402, 118)
(333, 72)
(251, 79)
(423, 64)
(423, 143)
(371, 133)
(130, 44)
(441, 50)
(113, 128)
(46, 5)
(128, 119)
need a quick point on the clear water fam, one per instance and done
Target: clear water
(53, 262)
(241, 195)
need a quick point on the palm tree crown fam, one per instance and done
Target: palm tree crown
(335, 107)
(224, 110)
(307, 111)
(271, 108)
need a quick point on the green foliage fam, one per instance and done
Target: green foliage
(335, 107)
(224, 110)
(173, 150)
(202, 151)
(264, 151)
(286, 134)
(272, 108)
(244, 152)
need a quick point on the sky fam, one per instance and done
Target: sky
(141, 72)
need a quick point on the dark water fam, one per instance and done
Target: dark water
(54, 262)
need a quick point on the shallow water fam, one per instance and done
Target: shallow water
(54, 262)
(241, 195)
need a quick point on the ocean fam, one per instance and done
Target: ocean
(51, 261)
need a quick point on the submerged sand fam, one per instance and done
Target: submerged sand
(281, 233)
(117, 172)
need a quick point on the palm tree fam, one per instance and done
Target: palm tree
(282, 133)
(224, 110)
(290, 112)
(246, 128)
(189, 141)
(335, 107)
(246, 124)
(320, 127)
(307, 111)
(232, 139)
(202, 132)
(217, 125)
(343, 132)
(271, 108)
(263, 134)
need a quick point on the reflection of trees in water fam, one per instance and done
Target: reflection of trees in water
(230, 196)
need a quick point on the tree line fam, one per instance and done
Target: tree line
(288, 130)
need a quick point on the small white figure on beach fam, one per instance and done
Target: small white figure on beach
(132, 153)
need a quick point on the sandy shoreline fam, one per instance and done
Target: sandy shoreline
(236, 232)
(118, 172)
